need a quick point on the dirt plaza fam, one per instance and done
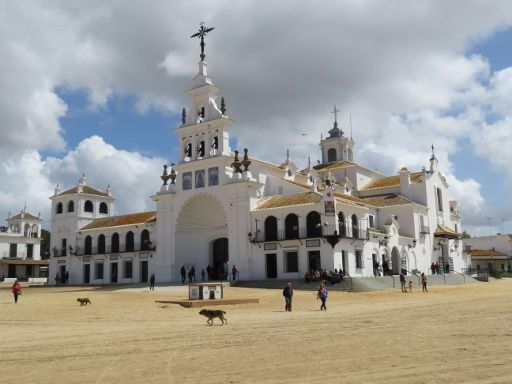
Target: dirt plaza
(459, 334)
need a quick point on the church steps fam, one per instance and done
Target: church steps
(360, 284)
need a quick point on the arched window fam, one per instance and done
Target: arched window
(71, 206)
(129, 243)
(101, 244)
(355, 227)
(88, 245)
(291, 225)
(59, 208)
(88, 207)
(332, 155)
(314, 224)
(35, 229)
(342, 231)
(104, 208)
(114, 243)
(270, 228)
(144, 240)
(26, 231)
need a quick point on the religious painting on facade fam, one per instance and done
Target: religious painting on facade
(187, 180)
(329, 208)
(213, 176)
(200, 175)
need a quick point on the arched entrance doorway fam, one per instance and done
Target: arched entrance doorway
(201, 236)
(220, 259)
(395, 261)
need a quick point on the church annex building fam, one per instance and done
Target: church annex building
(218, 207)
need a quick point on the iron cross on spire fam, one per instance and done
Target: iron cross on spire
(335, 111)
(201, 34)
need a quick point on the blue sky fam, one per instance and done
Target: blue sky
(410, 76)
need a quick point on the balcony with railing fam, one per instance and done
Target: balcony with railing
(309, 233)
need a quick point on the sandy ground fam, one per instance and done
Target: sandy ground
(452, 334)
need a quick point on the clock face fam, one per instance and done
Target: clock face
(328, 194)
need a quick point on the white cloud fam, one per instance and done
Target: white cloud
(133, 177)
(400, 71)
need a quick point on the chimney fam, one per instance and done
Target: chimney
(405, 182)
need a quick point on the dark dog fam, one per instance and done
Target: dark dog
(212, 315)
(84, 301)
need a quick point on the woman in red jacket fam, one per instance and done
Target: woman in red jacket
(16, 290)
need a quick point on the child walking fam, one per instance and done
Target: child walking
(410, 286)
(322, 295)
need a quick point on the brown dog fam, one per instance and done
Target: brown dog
(212, 315)
(84, 301)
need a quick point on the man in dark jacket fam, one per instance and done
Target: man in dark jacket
(288, 294)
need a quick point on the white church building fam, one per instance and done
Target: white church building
(218, 207)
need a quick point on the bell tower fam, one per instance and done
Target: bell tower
(336, 147)
(204, 131)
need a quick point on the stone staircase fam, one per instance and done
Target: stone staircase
(359, 284)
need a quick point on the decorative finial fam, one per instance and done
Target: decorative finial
(335, 131)
(432, 147)
(287, 156)
(222, 106)
(173, 174)
(309, 162)
(236, 164)
(165, 176)
(183, 116)
(201, 34)
(246, 162)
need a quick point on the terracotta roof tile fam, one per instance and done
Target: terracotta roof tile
(116, 221)
(25, 215)
(281, 201)
(485, 253)
(388, 200)
(338, 164)
(390, 181)
(444, 231)
(86, 189)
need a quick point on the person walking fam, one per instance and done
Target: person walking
(288, 295)
(410, 286)
(203, 274)
(234, 272)
(424, 282)
(66, 277)
(183, 272)
(402, 282)
(16, 290)
(322, 295)
(57, 279)
(152, 282)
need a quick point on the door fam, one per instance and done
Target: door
(314, 261)
(87, 273)
(113, 273)
(62, 274)
(12, 270)
(271, 265)
(344, 262)
(143, 271)
(220, 257)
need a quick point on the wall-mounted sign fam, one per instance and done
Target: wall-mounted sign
(270, 246)
(313, 243)
(329, 208)
(113, 257)
(86, 259)
(187, 180)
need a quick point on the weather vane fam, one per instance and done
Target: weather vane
(201, 34)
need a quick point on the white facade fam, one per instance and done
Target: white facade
(217, 208)
(20, 247)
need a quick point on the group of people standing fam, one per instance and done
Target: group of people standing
(436, 268)
(423, 279)
(64, 279)
(382, 270)
(210, 271)
(288, 296)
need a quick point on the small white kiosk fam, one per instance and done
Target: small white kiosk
(205, 291)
